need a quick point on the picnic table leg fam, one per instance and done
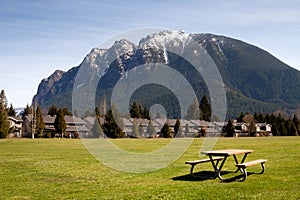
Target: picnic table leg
(237, 162)
(216, 168)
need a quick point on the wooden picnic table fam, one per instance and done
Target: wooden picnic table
(225, 154)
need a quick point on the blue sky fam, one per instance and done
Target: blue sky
(37, 37)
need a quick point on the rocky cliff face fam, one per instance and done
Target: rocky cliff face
(254, 79)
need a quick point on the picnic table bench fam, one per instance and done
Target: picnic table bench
(195, 162)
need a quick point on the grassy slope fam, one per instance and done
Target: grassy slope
(63, 169)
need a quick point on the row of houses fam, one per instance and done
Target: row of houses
(78, 127)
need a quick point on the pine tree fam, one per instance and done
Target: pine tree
(186, 129)
(141, 130)
(230, 128)
(66, 112)
(193, 111)
(134, 110)
(205, 109)
(166, 131)
(11, 111)
(40, 125)
(135, 129)
(297, 124)
(240, 117)
(96, 130)
(4, 123)
(110, 127)
(151, 130)
(52, 110)
(60, 123)
(26, 111)
(176, 127)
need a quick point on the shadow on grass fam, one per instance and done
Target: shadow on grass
(208, 175)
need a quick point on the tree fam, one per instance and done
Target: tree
(52, 110)
(26, 111)
(141, 130)
(186, 129)
(66, 112)
(166, 131)
(146, 113)
(3, 99)
(193, 111)
(110, 127)
(96, 130)
(135, 129)
(11, 111)
(134, 111)
(138, 111)
(229, 128)
(150, 130)
(4, 123)
(176, 127)
(60, 123)
(205, 109)
(252, 128)
(248, 118)
(39, 120)
(297, 123)
(240, 117)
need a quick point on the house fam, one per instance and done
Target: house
(205, 128)
(263, 129)
(127, 127)
(75, 126)
(15, 124)
(240, 129)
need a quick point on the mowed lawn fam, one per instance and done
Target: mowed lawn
(64, 169)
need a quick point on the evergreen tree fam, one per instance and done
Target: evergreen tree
(186, 129)
(205, 109)
(150, 130)
(146, 113)
(60, 123)
(96, 130)
(166, 131)
(134, 110)
(11, 111)
(4, 123)
(66, 112)
(240, 117)
(230, 128)
(297, 124)
(135, 129)
(141, 130)
(3, 99)
(252, 128)
(40, 125)
(26, 111)
(52, 110)
(193, 111)
(176, 127)
(97, 112)
(110, 127)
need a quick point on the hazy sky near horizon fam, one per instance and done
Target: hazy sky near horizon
(38, 37)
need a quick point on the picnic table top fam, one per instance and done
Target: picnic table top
(227, 152)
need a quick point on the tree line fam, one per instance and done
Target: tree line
(280, 126)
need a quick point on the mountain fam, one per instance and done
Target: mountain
(255, 81)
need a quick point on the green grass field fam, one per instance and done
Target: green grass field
(64, 169)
